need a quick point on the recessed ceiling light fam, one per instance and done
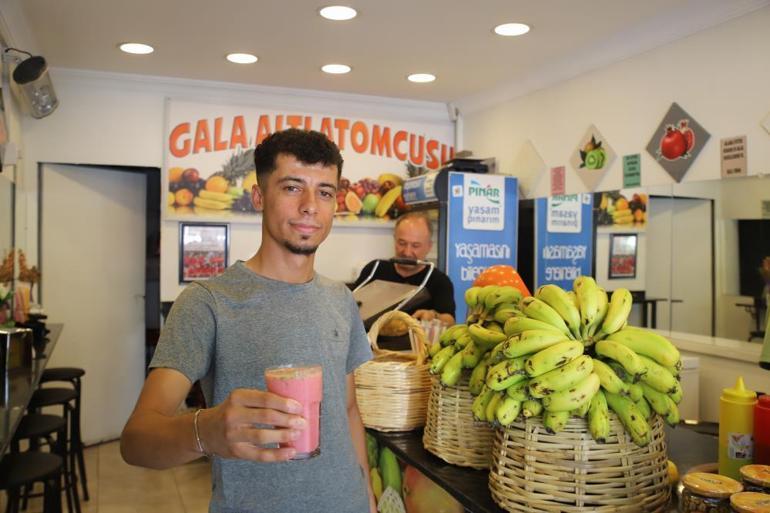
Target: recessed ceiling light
(338, 12)
(335, 69)
(242, 58)
(136, 48)
(421, 78)
(511, 29)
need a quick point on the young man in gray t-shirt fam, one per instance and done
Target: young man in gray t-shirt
(270, 310)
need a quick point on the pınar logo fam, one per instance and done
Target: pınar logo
(489, 192)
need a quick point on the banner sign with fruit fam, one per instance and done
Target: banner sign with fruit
(592, 158)
(677, 141)
(625, 208)
(564, 239)
(482, 227)
(209, 159)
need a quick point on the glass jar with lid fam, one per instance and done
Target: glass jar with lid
(707, 493)
(750, 502)
(756, 478)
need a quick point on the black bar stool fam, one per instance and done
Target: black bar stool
(24, 469)
(72, 375)
(34, 427)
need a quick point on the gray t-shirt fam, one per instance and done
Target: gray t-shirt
(225, 332)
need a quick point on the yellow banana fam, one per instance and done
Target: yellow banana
(462, 341)
(518, 325)
(441, 359)
(485, 338)
(676, 395)
(374, 477)
(531, 341)
(478, 377)
(673, 417)
(555, 421)
(449, 335)
(452, 371)
(540, 310)
(503, 294)
(599, 418)
(609, 380)
(617, 313)
(601, 299)
(434, 348)
(635, 391)
(471, 355)
(479, 405)
(623, 355)
(503, 314)
(657, 376)
(562, 377)
(222, 197)
(644, 407)
(531, 408)
(557, 298)
(658, 401)
(489, 413)
(553, 357)
(211, 204)
(481, 296)
(573, 297)
(648, 344)
(505, 374)
(507, 411)
(494, 326)
(585, 290)
(471, 297)
(633, 419)
(496, 355)
(574, 397)
(518, 391)
(582, 410)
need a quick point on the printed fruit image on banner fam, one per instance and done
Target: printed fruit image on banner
(677, 141)
(379, 198)
(592, 157)
(626, 207)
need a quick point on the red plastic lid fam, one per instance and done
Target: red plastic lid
(763, 402)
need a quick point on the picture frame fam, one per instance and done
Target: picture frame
(623, 251)
(204, 250)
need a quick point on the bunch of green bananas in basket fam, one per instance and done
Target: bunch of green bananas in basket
(569, 353)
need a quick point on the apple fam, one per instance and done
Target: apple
(190, 175)
(421, 495)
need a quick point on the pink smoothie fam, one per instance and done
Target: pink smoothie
(304, 385)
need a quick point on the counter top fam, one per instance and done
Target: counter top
(686, 448)
(714, 346)
(21, 391)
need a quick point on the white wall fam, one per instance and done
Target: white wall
(113, 119)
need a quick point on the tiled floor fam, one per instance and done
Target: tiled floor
(117, 487)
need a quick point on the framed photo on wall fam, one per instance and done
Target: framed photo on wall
(203, 250)
(622, 256)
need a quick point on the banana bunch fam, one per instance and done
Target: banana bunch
(214, 200)
(492, 302)
(568, 353)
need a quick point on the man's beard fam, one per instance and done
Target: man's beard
(300, 250)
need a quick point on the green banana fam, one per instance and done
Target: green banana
(471, 355)
(644, 407)
(574, 397)
(462, 340)
(372, 450)
(494, 326)
(582, 410)
(623, 355)
(617, 314)
(658, 401)
(601, 299)
(496, 355)
(557, 298)
(674, 370)
(552, 357)
(503, 314)
(585, 290)
(562, 377)
(658, 377)
(479, 405)
(633, 419)
(518, 391)
(676, 395)
(531, 408)
(573, 297)
(481, 296)
(507, 411)
(489, 413)
(673, 417)
(648, 344)
(635, 391)
(555, 421)
(505, 374)
(390, 470)
(441, 358)
(599, 418)
(503, 294)
(485, 338)
(452, 371)
(518, 325)
(434, 349)
(537, 309)
(478, 377)
(531, 341)
(471, 297)
(449, 335)
(610, 381)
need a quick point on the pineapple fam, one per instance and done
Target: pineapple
(239, 165)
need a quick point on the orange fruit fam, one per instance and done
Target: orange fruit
(175, 174)
(621, 203)
(217, 184)
(183, 197)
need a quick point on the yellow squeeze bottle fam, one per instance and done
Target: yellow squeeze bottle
(736, 429)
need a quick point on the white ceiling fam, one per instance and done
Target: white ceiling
(389, 39)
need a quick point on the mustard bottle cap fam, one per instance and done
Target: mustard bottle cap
(739, 393)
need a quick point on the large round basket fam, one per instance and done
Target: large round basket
(392, 389)
(451, 432)
(534, 471)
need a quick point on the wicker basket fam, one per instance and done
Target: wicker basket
(534, 472)
(451, 433)
(392, 389)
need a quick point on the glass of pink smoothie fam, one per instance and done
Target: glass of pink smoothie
(304, 385)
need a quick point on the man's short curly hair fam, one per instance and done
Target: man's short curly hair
(309, 147)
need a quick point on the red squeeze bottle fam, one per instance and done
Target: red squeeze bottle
(762, 430)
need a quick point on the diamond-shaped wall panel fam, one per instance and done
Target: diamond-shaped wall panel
(592, 158)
